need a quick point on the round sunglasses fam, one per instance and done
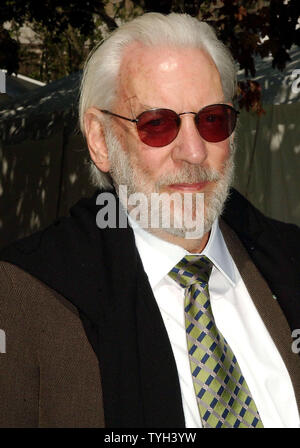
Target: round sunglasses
(159, 127)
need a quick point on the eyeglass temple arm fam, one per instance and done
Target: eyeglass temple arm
(133, 120)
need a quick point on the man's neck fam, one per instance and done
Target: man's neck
(191, 245)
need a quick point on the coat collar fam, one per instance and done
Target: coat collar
(266, 305)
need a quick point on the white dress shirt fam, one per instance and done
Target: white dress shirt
(235, 316)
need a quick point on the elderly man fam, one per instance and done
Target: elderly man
(112, 320)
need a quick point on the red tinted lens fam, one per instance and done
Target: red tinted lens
(215, 123)
(158, 127)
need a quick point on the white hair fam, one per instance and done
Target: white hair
(99, 81)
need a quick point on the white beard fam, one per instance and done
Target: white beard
(125, 172)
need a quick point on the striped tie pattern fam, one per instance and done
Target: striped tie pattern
(223, 397)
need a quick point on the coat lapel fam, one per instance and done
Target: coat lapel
(266, 305)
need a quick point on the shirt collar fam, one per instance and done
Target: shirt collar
(159, 256)
(217, 251)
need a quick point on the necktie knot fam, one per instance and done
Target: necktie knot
(192, 269)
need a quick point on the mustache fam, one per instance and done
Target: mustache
(189, 174)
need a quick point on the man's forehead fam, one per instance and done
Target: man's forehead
(141, 64)
(136, 66)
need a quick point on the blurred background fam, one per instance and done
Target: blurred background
(43, 45)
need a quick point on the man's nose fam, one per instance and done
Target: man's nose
(189, 145)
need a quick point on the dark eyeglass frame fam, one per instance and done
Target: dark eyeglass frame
(197, 114)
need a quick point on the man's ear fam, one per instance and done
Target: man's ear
(94, 133)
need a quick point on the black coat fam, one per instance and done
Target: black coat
(101, 273)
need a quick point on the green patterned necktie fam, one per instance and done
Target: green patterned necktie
(223, 397)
